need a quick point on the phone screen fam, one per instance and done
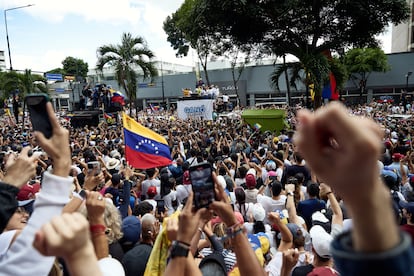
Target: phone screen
(202, 183)
(160, 206)
(94, 165)
(36, 104)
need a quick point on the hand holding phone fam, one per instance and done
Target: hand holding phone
(160, 206)
(94, 166)
(202, 184)
(36, 104)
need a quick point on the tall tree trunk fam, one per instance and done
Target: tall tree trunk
(287, 81)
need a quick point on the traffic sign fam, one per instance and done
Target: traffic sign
(54, 77)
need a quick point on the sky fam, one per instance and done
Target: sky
(41, 36)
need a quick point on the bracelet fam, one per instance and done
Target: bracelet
(183, 243)
(97, 228)
(232, 232)
(328, 193)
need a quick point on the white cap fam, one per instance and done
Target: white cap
(321, 241)
(259, 212)
(251, 171)
(111, 267)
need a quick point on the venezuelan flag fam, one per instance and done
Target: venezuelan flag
(144, 148)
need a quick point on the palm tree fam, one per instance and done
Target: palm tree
(26, 83)
(310, 69)
(132, 53)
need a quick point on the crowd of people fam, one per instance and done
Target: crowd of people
(331, 195)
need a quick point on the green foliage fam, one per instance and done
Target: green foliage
(359, 60)
(75, 67)
(126, 57)
(301, 28)
(340, 72)
(25, 83)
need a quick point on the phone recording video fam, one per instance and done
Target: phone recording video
(203, 185)
(94, 165)
(36, 104)
(160, 206)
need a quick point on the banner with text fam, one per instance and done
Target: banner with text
(195, 109)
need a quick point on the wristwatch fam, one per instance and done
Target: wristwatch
(290, 193)
(179, 249)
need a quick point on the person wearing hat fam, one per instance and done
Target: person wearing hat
(136, 259)
(322, 257)
(343, 150)
(50, 201)
(151, 193)
(251, 191)
(395, 165)
(152, 180)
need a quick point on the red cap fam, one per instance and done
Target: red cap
(152, 191)
(250, 181)
(28, 191)
(397, 156)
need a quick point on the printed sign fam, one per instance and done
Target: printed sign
(195, 109)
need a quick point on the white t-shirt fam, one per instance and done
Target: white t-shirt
(270, 204)
(251, 195)
(182, 192)
(151, 182)
(168, 199)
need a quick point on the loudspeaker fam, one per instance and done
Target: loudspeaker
(83, 118)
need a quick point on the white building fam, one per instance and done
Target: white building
(2, 61)
(164, 68)
(403, 34)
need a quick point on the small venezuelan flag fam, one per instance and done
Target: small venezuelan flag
(257, 126)
(144, 148)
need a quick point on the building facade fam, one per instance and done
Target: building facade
(254, 85)
(403, 34)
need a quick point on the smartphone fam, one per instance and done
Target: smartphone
(160, 206)
(36, 104)
(94, 165)
(202, 184)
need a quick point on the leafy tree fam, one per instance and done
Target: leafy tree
(126, 58)
(75, 67)
(304, 29)
(361, 62)
(184, 34)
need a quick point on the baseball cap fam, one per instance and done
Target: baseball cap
(28, 191)
(250, 180)
(409, 206)
(259, 212)
(152, 190)
(271, 173)
(397, 156)
(318, 218)
(131, 227)
(251, 171)
(270, 165)
(321, 241)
